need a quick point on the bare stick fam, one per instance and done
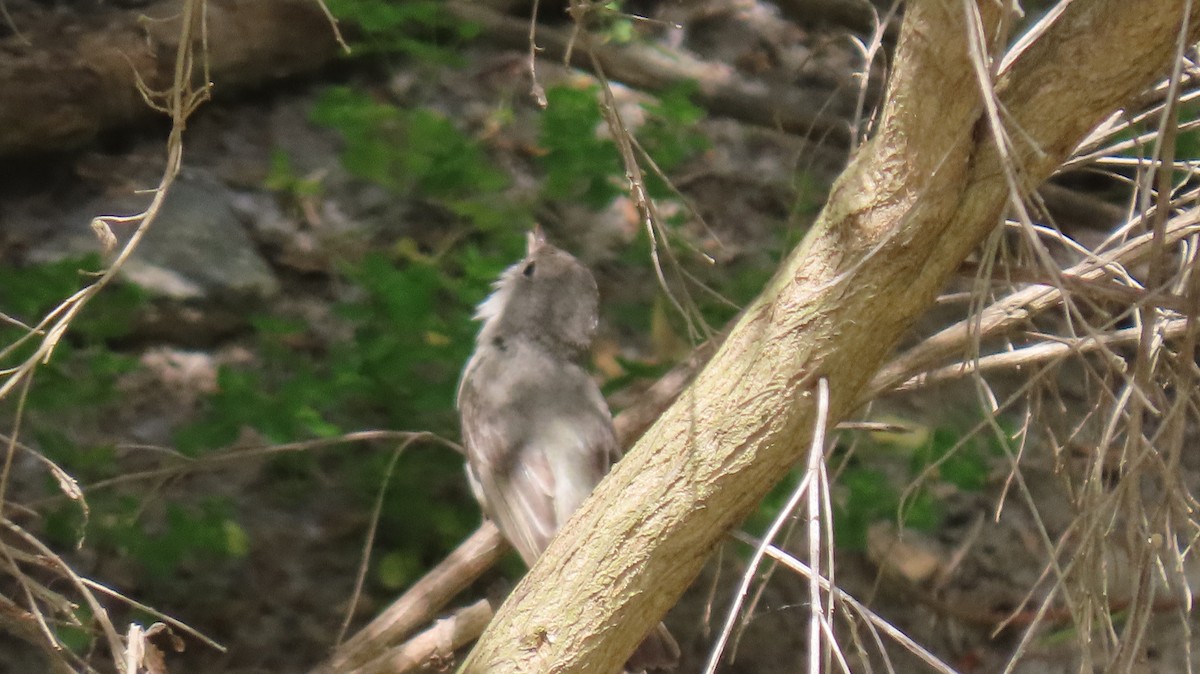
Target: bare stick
(873, 618)
(422, 601)
(1018, 307)
(436, 645)
(1039, 353)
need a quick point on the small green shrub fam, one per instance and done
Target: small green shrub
(421, 29)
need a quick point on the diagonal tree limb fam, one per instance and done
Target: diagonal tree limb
(435, 646)
(421, 602)
(908, 210)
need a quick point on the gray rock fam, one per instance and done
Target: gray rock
(197, 263)
(197, 250)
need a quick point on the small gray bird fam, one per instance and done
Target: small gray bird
(537, 432)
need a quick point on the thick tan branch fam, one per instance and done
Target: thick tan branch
(918, 198)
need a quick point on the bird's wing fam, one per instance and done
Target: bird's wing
(534, 469)
(517, 487)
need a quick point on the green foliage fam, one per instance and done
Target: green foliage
(80, 381)
(186, 535)
(28, 293)
(284, 180)
(578, 164)
(81, 372)
(86, 464)
(418, 28)
(964, 464)
(411, 333)
(406, 151)
(611, 23)
(411, 370)
(76, 637)
(869, 497)
(203, 533)
(396, 570)
(583, 166)
(945, 458)
(408, 319)
(419, 154)
(670, 135)
(281, 413)
(427, 509)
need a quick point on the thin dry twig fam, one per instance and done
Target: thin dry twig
(369, 542)
(852, 604)
(806, 487)
(1014, 310)
(178, 102)
(421, 602)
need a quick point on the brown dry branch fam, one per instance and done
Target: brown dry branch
(1017, 308)
(815, 488)
(1146, 402)
(26, 626)
(177, 97)
(421, 602)
(919, 197)
(873, 621)
(1053, 349)
(433, 649)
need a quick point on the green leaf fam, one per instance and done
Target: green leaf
(421, 29)
(670, 134)
(965, 466)
(406, 150)
(577, 163)
(865, 497)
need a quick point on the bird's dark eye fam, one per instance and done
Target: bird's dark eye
(528, 270)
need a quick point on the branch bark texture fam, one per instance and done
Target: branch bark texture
(917, 199)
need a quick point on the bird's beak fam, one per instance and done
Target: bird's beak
(534, 239)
